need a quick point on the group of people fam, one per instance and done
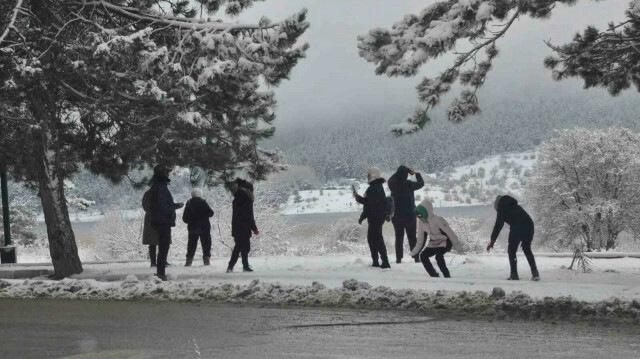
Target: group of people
(429, 234)
(160, 217)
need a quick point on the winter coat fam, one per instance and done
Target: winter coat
(149, 234)
(438, 230)
(510, 212)
(243, 222)
(196, 215)
(402, 192)
(162, 208)
(373, 202)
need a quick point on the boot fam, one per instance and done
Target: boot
(417, 259)
(399, 260)
(229, 270)
(434, 275)
(247, 269)
(513, 277)
(535, 276)
(385, 264)
(206, 260)
(163, 277)
(189, 262)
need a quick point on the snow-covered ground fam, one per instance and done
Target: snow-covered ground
(459, 186)
(619, 277)
(611, 292)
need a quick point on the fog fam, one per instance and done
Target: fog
(333, 81)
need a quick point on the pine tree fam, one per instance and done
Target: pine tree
(115, 85)
(602, 58)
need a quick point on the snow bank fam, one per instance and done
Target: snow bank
(352, 294)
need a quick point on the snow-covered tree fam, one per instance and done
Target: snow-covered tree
(602, 58)
(586, 188)
(117, 84)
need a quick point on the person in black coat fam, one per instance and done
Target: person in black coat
(374, 212)
(196, 215)
(163, 214)
(243, 223)
(404, 219)
(522, 230)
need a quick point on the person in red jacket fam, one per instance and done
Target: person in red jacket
(522, 229)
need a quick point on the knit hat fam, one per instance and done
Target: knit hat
(422, 212)
(373, 173)
(196, 192)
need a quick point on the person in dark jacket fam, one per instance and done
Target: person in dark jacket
(404, 219)
(522, 229)
(163, 214)
(243, 223)
(374, 212)
(196, 215)
(149, 234)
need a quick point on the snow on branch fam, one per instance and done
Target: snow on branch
(441, 28)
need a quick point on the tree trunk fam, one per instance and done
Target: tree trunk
(62, 242)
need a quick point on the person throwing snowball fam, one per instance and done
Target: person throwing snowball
(522, 229)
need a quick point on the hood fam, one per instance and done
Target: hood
(241, 187)
(402, 172)
(373, 173)
(503, 202)
(426, 204)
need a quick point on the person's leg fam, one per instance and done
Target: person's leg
(410, 226)
(164, 241)
(379, 244)
(235, 253)
(153, 255)
(205, 242)
(526, 248)
(514, 242)
(398, 228)
(424, 257)
(372, 245)
(192, 244)
(442, 264)
(246, 248)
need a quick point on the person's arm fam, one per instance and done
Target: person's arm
(419, 182)
(392, 182)
(422, 234)
(210, 212)
(252, 220)
(186, 215)
(360, 199)
(497, 227)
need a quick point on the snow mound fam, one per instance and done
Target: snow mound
(352, 294)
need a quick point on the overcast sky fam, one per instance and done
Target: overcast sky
(334, 80)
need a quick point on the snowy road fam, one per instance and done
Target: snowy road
(109, 330)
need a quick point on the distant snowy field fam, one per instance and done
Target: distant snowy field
(459, 186)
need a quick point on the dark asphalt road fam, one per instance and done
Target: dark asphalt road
(109, 330)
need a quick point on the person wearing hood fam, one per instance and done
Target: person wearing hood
(521, 231)
(441, 239)
(196, 215)
(163, 214)
(243, 223)
(374, 211)
(404, 219)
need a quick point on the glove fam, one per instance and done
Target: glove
(256, 232)
(360, 220)
(490, 246)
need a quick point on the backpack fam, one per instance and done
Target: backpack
(389, 207)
